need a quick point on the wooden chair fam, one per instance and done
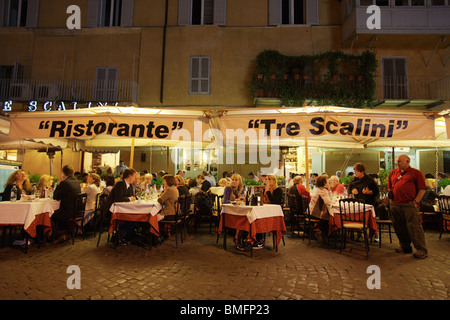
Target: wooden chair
(174, 223)
(105, 216)
(383, 218)
(353, 217)
(444, 210)
(78, 217)
(215, 212)
(297, 212)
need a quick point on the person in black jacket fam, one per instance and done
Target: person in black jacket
(123, 191)
(206, 185)
(66, 190)
(363, 186)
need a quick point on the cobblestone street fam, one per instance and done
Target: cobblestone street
(201, 270)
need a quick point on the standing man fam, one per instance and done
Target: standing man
(120, 168)
(408, 187)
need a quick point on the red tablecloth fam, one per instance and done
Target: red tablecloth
(335, 222)
(118, 218)
(262, 225)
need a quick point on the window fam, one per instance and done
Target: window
(19, 13)
(292, 12)
(200, 75)
(395, 78)
(202, 12)
(110, 13)
(106, 83)
(380, 3)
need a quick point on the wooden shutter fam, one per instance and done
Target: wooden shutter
(312, 12)
(220, 12)
(274, 12)
(32, 14)
(127, 13)
(92, 14)
(184, 8)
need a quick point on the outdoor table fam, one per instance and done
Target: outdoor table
(138, 211)
(334, 219)
(253, 219)
(29, 214)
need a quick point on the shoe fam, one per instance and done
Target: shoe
(240, 247)
(124, 243)
(376, 238)
(60, 239)
(403, 250)
(258, 245)
(420, 254)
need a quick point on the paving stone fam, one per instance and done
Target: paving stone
(201, 270)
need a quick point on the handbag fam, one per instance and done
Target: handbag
(390, 193)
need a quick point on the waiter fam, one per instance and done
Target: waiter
(408, 187)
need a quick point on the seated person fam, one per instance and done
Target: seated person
(205, 184)
(45, 183)
(335, 186)
(430, 196)
(298, 188)
(66, 190)
(123, 192)
(181, 185)
(91, 190)
(320, 202)
(22, 182)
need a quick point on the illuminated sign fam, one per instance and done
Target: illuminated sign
(55, 105)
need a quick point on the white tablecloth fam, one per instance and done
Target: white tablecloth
(335, 209)
(25, 211)
(254, 212)
(136, 207)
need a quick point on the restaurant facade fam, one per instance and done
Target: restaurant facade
(200, 58)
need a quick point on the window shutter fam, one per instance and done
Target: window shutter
(274, 12)
(184, 8)
(127, 13)
(92, 13)
(220, 12)
(32, 13)
(312, 12)
(2, 13)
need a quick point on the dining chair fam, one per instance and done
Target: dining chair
(184, 202)
(173, 223)
(78, 217)
(215, 212)
(311, 220)
(353, 218)
(105, 216)
(383, 216)
(444, 210)
(297, 212)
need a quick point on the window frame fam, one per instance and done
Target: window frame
(199, 79)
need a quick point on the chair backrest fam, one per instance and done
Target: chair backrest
(80, 205)
(184, 204)
(298, 204)
(353, 210)
(444, 204)
(102, 203)
(218, 203)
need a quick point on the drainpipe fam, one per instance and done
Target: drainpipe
(161, 95)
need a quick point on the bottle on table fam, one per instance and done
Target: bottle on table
(14, 193)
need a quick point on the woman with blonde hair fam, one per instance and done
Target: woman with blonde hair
(22, 182)
(45, 182)
(235, 190)
(272, 193)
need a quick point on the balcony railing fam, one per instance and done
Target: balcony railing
(68, 90)
(396, 88)
(416, 87)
